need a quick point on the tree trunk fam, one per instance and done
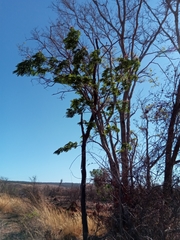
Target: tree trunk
(83, 191)
(171, 150)
(124, 155)
(85, 136)
(117, 195)
(167, 188)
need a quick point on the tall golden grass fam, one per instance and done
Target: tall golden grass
(43, 220)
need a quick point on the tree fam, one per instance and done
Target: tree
(98, 95)
(39, 64)
(128, 31)
(103, 72)
(166, 108)
(173, 137)
(120, 25)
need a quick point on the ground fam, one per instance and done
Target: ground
(45, 211)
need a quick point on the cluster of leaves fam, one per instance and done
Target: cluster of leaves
(66, 147)
(78, 72)
(33, 66)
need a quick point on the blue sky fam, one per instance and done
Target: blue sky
(32, 121)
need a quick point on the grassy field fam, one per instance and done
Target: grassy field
(44, 211)
(52, 212)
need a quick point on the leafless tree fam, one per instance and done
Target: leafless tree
(167, 108)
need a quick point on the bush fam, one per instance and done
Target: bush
(102, 183)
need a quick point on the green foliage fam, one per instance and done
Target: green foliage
(125, 147)
(77, 107)
(66, 147)
(111, 128)
(72, 39)
(113, 81)
(33, 66)
(80, 74)
(126, 71)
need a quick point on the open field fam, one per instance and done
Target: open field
(52, 212)
(44, 211)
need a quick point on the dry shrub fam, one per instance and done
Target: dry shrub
(149, 215)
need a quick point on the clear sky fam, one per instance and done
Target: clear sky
(32, 121)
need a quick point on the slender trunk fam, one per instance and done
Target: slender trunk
(125, 137)
(117, 220)
(85, 136)
(131, 175)
(171, 153)
(124, 157)
(117, 201)
(168, 176)
(148, 176)
(83, 191)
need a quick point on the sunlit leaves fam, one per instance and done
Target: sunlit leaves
(77, 107)
(111, 128)
(33, 66)
(66, 147)
(125, 147)
(71, 41)
(119, 79)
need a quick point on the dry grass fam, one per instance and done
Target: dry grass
(42, 220)
(66, 223)
(13, 205)
(53, 213)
